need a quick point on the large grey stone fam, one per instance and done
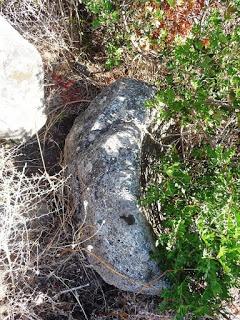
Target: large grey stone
(21, 85)
(103, 154)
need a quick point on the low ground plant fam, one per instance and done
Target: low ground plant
(202, 81)
(145, 27)
(198, 174)
(199, 241)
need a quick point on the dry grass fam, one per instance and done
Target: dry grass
(43, 270)
(42, 267)
(44, 274)
(28, 207)
(54, 27)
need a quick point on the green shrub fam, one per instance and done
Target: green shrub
(199, 191)
(202, 84)
(103, 11)
(199, 244)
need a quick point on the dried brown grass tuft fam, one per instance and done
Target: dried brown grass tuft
(36, 223)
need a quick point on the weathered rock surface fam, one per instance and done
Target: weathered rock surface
(103, 154)
(21, 85)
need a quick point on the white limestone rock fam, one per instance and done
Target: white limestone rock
(22, 111)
